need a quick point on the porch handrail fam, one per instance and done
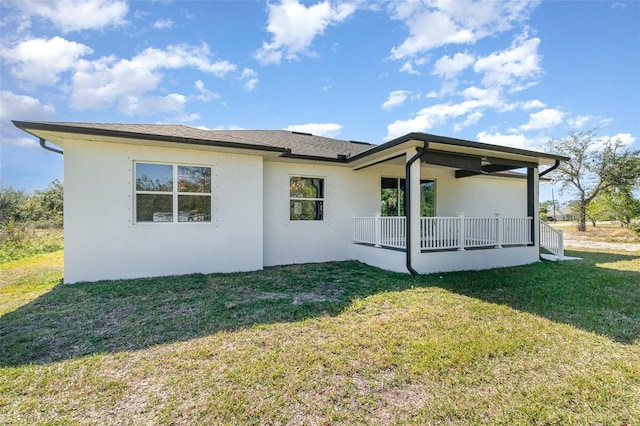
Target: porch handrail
(444, 233)
(552, 239)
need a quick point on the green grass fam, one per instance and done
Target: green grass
(334, 343)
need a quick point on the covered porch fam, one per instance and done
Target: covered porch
(445, 243)
(484, 211)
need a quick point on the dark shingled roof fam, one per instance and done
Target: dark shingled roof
(287, 143)
(303, 144)
(299, 144)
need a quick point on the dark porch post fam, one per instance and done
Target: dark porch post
(531, 201)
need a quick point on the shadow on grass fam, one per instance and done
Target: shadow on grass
(105, 317)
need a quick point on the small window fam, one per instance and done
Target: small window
(306, 198)
(172, 193)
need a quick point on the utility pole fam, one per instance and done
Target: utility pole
(553, 201)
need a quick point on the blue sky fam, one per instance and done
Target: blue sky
(511, 73)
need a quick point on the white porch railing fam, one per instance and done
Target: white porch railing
(552, 239)
(387, 231)
(443, 233)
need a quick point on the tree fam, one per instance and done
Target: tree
(623, 205)
(52, 200)
(43, 207)
(12, 202)
(595, 165)
(599, 209)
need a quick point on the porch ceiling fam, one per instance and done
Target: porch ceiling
(470, 165)
(465, 164)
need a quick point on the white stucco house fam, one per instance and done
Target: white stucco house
(154, 200)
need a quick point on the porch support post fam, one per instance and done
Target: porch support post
(413, 206)
(532, 202)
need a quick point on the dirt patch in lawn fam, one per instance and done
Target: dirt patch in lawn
(602, 237)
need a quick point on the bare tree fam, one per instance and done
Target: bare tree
(595, 165)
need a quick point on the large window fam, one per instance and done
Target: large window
(392, 197)
(306, 198)
(172, 193)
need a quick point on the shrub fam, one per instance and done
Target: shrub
(18, 240)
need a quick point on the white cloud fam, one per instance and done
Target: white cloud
(21, 107)
(534, 104)
(448, 87)
(431, 116)
(627, 139)
(30, 143)
(513, 140)
(471, 120)
(510, 70)
(23, 142)
(228, 127)
(543, 119)
(514, 67)
(488, 98)
(181, 56)
(149, 105)
(583, 121)
(76, 15)
(329, 130)
(448, 68)
(580, 121)
(294, 26)
(205, 94)
(439, 23)
(107, 81)
(163, 24)
(408, 68)
(41, 61)
(250, 78)
(396, 98)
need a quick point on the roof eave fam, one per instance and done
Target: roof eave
(425, 137)
(30, 127)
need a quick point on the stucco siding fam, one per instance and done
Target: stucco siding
(102, 240)
(479, 196)
(348, 194)
(468, 260)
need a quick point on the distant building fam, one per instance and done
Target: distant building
(559, 214)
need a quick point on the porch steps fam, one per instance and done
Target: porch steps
(552, 240)
(554, 258)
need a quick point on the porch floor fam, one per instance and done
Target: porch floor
(444, 249)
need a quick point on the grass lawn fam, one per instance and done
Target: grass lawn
(335, 343)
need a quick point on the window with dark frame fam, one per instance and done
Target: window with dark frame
(172, 193)
(306, 198)
(392, 197)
